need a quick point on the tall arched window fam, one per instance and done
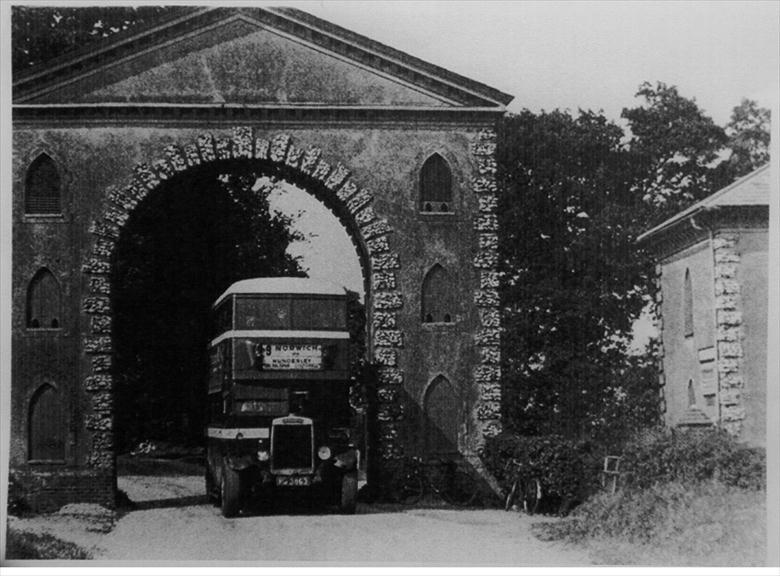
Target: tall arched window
(687, 305)
(442, 416)
(438, 302)
(43, 301)
(42, 188)
(46, 431)
(436, 185)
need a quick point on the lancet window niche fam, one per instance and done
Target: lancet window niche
(44, 301)
(43, 187)
(436, 185)
(438, 302)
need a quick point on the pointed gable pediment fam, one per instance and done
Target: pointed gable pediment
(257, 56)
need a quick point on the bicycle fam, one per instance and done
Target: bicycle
(442, 479)
(529, 488)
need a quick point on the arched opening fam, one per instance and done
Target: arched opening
(691, 393)
(687, 305)
(441, 417)
(438, 304)
(43, 301)
(46, 438)
(436, 185)
(183, 245)
(42, 190)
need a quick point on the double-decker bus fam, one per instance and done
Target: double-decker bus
(278, 389)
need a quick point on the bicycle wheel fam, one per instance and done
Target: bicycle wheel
(460, 489)
(511, 497)
(532, 495)
(408, 490)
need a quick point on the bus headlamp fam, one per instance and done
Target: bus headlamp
(263, 455)
(323, 453)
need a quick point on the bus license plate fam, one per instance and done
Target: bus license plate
(293, 481)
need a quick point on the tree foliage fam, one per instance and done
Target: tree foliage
(183, 246)
(748, 132)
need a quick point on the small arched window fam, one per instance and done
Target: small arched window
(42, 189)
(438, 302)
(442, 416)
(687, 305)
(436, 185)
(691, 393)
(43, 301)
(45, 433)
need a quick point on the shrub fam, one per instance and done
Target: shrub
(567, 470)
(687, 456)
(21, 545)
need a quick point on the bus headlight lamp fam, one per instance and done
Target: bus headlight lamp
(323, 453)
(263, 455)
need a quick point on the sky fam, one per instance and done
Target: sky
(566, 55)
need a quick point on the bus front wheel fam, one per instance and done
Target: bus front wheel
(230, 491)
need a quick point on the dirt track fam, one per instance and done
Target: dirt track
(173, 521)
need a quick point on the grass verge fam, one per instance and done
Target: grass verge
(670, 524)
(22, 545)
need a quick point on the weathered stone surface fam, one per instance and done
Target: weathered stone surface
(389, 338)
(346, 191)
(488, 337)
(106, 229)
(723, 240)
(321, 171)
(723, 286)
(98, 422)
(144, 176)
(486, 165)
(484, 185)
(490, 354)
(730, 349)
(386, 356)
(98, 345)
(732, 412)
(726, 302)
(490, 317)
(192, 154)
(337, 177)
(488, 410)
(483, 148)
(100, 324)
(99, 286)
(487, 298)
(365, 216)
(730, 397)
(358, 201)
(391, 376)
(387, 394)
(729, 317)
(491, 429)
(96, 266)
(384, 280)
(384, 320)
(726, 257)
(176, 157)
(490, 392)
(163, 169)
(486, 223)
(376, 228)
(103, 248)
(488, 203)
(294, 156)
(487, 373)
(96, 305)
(378, 245)
(98, 382)
(486, 259)
(728, 365)
(102, 401)
(488, 241)
(223, 148)
(116, 216)
(388, 300)
(262, 148)
(488, 279)
(385, 261)
(725, 271)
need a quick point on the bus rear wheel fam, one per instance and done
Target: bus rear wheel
(230, 491)
(349, 488)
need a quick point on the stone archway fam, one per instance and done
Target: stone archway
(332, 184)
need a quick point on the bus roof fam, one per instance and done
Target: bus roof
(283, 285)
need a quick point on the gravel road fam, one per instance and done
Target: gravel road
(173, 521)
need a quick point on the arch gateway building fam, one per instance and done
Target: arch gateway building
(400, 150)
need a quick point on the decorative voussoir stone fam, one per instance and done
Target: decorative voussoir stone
(383, 280)
(223, 148)
(388, 300)
(384, 320)
(294, 155)
(386, 356)
(486, 165)
(176, 157)
(98, 422)
(103, 248)
(321, 171)
(387, 261)
(205, 143)
(490, 354)
(385, 394)
(390, 376)
(97, 345)
(116, 216)
(279, 145)
(346, 191)
(365, 216)
(483, 148)
(732, 413)
(491, 429)
(488, 241)
(488, 337)
(488, 410)
(242, 142)
(731, 380)
(729, 333)
(337, 177)
(358, 201)
(100, 324)
(728, 302)
(96, 266)
(725, 270)
(490, 392)
(102, 402)
(486, 223)
(105, 229)
(726, 287)
(729, 317)
(192, 154)
(262, 147)
(144, 176)
(96, 305)
(378, 244)
(489, 317)
(726, 257)
(488, 298)
(726, 365)
(730, 397)
(310, 159)
(163, 169)
(730, 349)
(486, 259)
(376, 228)
(99, 382)
(389, 338)
(488, 203)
